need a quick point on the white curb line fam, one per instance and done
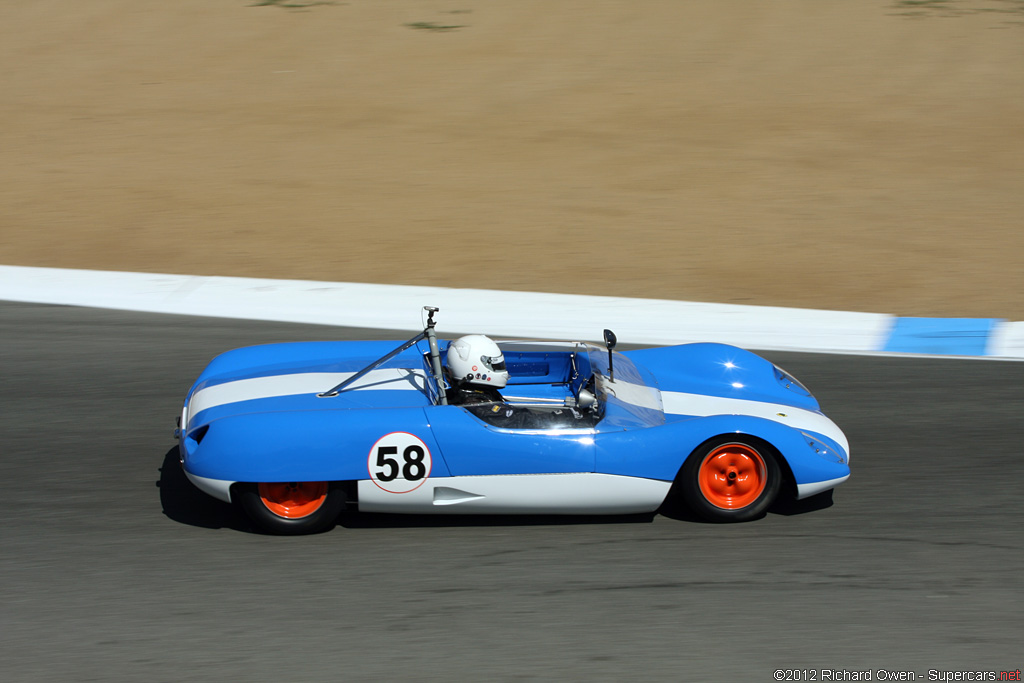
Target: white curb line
(499, 313)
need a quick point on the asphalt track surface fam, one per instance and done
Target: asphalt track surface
(114, 568)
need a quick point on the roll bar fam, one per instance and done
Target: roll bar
(435, 360)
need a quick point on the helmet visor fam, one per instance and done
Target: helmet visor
(493, 363)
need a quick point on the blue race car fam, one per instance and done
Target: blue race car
(295, 432)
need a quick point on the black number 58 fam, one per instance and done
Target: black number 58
(412, 470)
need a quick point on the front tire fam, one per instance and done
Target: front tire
(292, 508)
(731, 479)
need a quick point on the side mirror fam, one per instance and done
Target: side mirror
(610, 341)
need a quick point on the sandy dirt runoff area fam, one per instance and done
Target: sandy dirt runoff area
(845, 155)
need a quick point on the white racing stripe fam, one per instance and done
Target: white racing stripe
(392, 379)
(679, 403)
(400, 379)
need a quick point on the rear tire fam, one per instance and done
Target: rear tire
(731, 479)
(292, 508)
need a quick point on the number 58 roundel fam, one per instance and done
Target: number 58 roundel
(399, 462)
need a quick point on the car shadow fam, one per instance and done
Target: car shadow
(789, 506)
(185, 504)
(675, 508)
(353, 519)
(785, 505)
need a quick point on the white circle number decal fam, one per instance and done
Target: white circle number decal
(399, 462)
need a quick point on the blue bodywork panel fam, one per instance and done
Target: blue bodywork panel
(301, 446)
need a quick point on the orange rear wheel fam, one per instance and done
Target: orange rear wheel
(293, 500)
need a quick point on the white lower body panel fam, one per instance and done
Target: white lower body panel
(218, 488)
(807, 490)
(584, 493)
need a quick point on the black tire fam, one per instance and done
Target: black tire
(263, 504)
(731, 479)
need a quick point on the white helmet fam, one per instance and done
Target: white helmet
(476, 359)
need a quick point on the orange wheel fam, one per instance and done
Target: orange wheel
(293, 500)
(290, 508)
(731, 478)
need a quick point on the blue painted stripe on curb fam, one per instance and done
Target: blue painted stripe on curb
(945, 336)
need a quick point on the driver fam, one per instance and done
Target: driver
(476, 370)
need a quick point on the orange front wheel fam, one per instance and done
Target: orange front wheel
(302, 507)
(293, 500)
(732, 476)
(731, 480)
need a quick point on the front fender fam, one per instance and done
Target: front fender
(659, 452)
